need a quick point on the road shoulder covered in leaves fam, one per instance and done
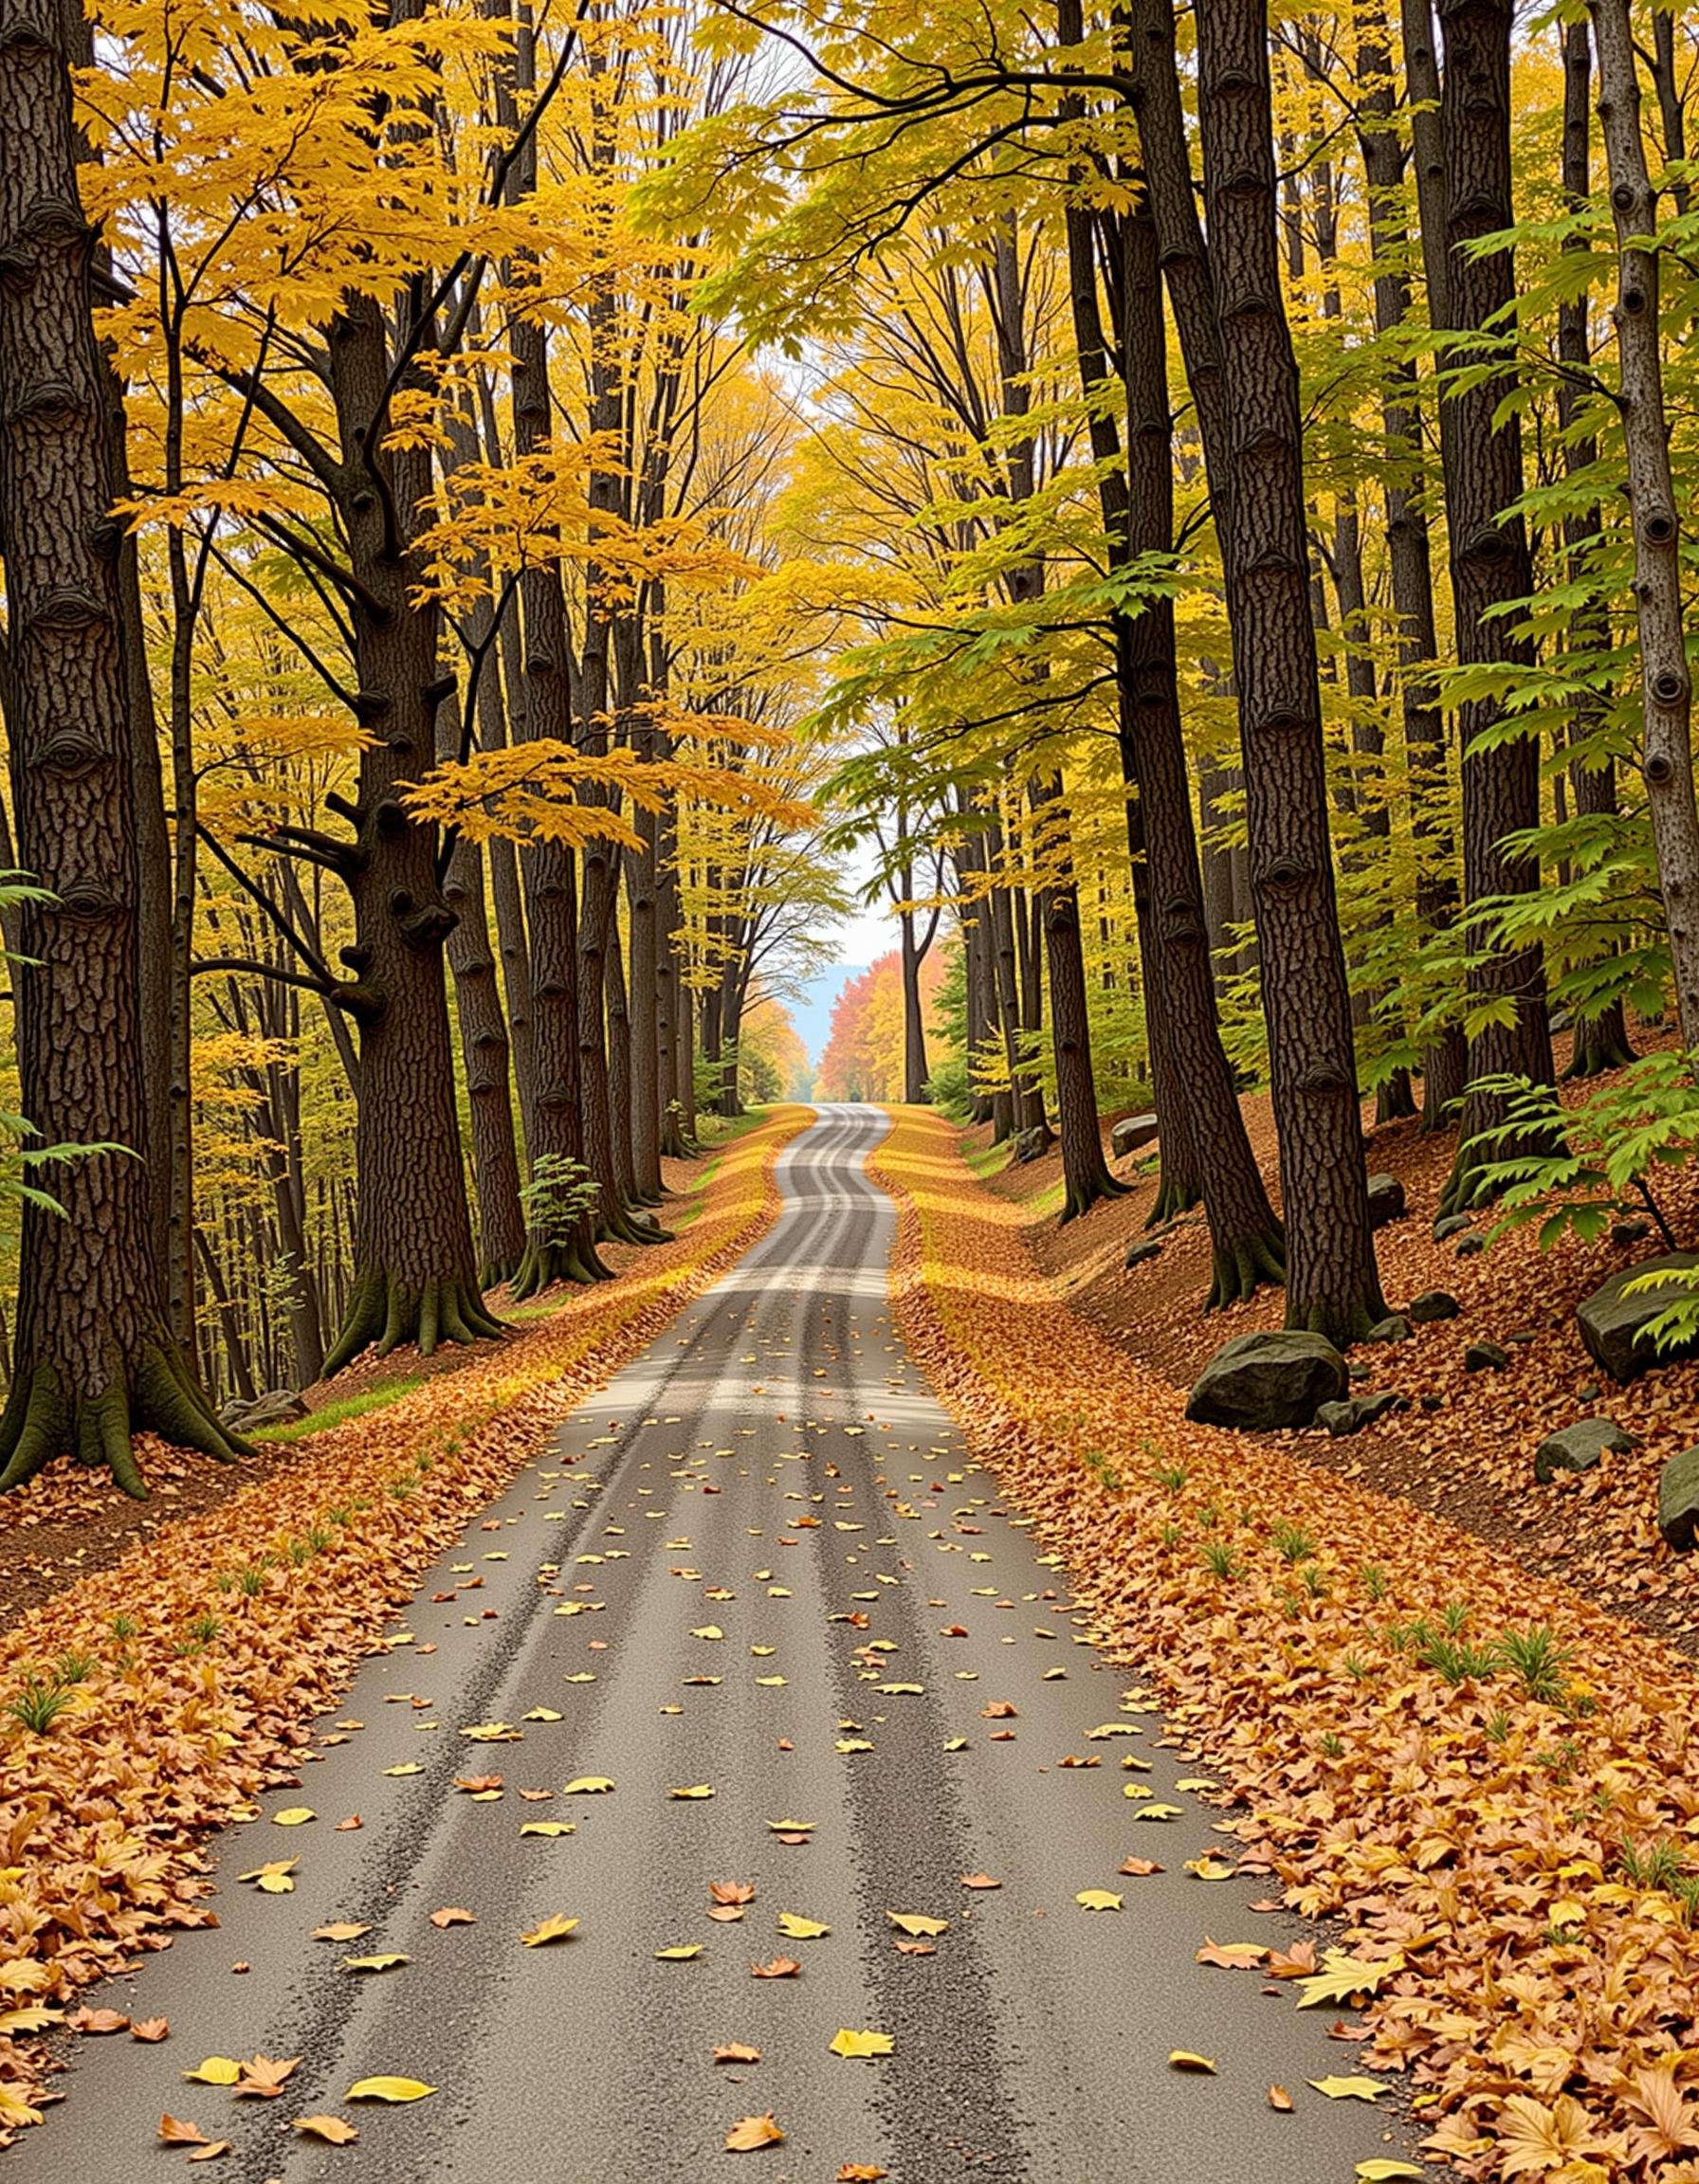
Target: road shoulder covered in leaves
(170, 1688)
(1494, 1785)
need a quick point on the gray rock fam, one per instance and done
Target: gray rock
(1130, 1133)
(1356, 1372)
(1394, 1328)
(1146, 1249)
(1633, 1230)
(1453, 1225)
(1386, 1200)
(1485, 1357)
(1522, 1338)
(1031, 1145)
(1257, 1382)
(1578, 1447)
(1590, 1393)
(1613, 1326)
(1678, 1500)
(1357, 1411)
(277, 1407)
(1468, 1247)
(1432, 1304)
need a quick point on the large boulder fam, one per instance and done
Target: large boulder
(1257, 1382)
(1130, 1133)
(1578, 1447)
(1386, 1200)
(1431, 1306)
(1613, 1325)
(1678, 1500)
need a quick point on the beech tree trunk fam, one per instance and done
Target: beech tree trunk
(1666, 685)
(94, 1358)
(1332, 1284)
(1490, 564)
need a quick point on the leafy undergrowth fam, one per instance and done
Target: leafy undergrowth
(1493, 1783)
(146, 1702)
(1466, 1449)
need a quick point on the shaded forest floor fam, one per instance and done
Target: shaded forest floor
(1469, 1457)
(69, 1522)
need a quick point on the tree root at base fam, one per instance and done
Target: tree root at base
(1238, 1270)
(386, 1310)
(545, 1264)
(156, 1395)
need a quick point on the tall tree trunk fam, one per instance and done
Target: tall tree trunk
(914, 1021)
(1600, 1041)
(1481, 457)
(416, 1276)
(1666, 684)
(1332, 1285)
(1085, 1172)
(94, 1356)
(1410, 563)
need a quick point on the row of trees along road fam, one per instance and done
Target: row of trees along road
(498, 498)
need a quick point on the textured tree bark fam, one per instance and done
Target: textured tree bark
(1246, 1243)
(1410, 563)
(94, 1357)
(1332, 1285)
(483, 1053)
(1601, 1041)
(1491, 565)
(1666, 685)
(414, 1273)
(914, 1022)
(1084, 1172)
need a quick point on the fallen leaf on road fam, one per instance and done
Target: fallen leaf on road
(1341, 1976)
(451, 1914)
(1231, 1955)
(1207, 1868)
(780, 1968)
(1154, 1812)
(293, 1816)
(696, 1791)
(1384, 2171)
(589, 1786)
(474, 1784)
(407, 1767)
(735, 2052)
(149, 2028)
(861, 2043)
(386, 1962)
(330, 2128)
(98, 2021)
(548, 1828)
(1349, 2088)
(790, 1827)
(750, 2133)
(979, 1881)
(1183, 2058)
(795, 1928)
(175, 2132)
(273, 1877)
(861, 2172)
(347, 1827)
(214, 2150)
(999, 1710)
(681, 1953)
(1279, 2098)
(916, 1923)
(388, 2090)
(216, 2071)
(264, 2077)
(731, 1892)
(1098, 1899)
(1138, 1867)
(1292, 1963)
(551, 1929)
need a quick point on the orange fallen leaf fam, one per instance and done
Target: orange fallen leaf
(735, 2052)
(1231, 1955)
(862, 2171)
(97, 2021)
(214, 2150)
(998, 1710)
(347, 1826)
(330, 2128)
(451, 1914)
(264, 2077)
(732, 1891)
(149, 2028)
(1279, 2098)
(750, 2133)
(1138, 1865)
(780, 1968)
(173, 2131)
(340, 1930)
(979, 1881)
